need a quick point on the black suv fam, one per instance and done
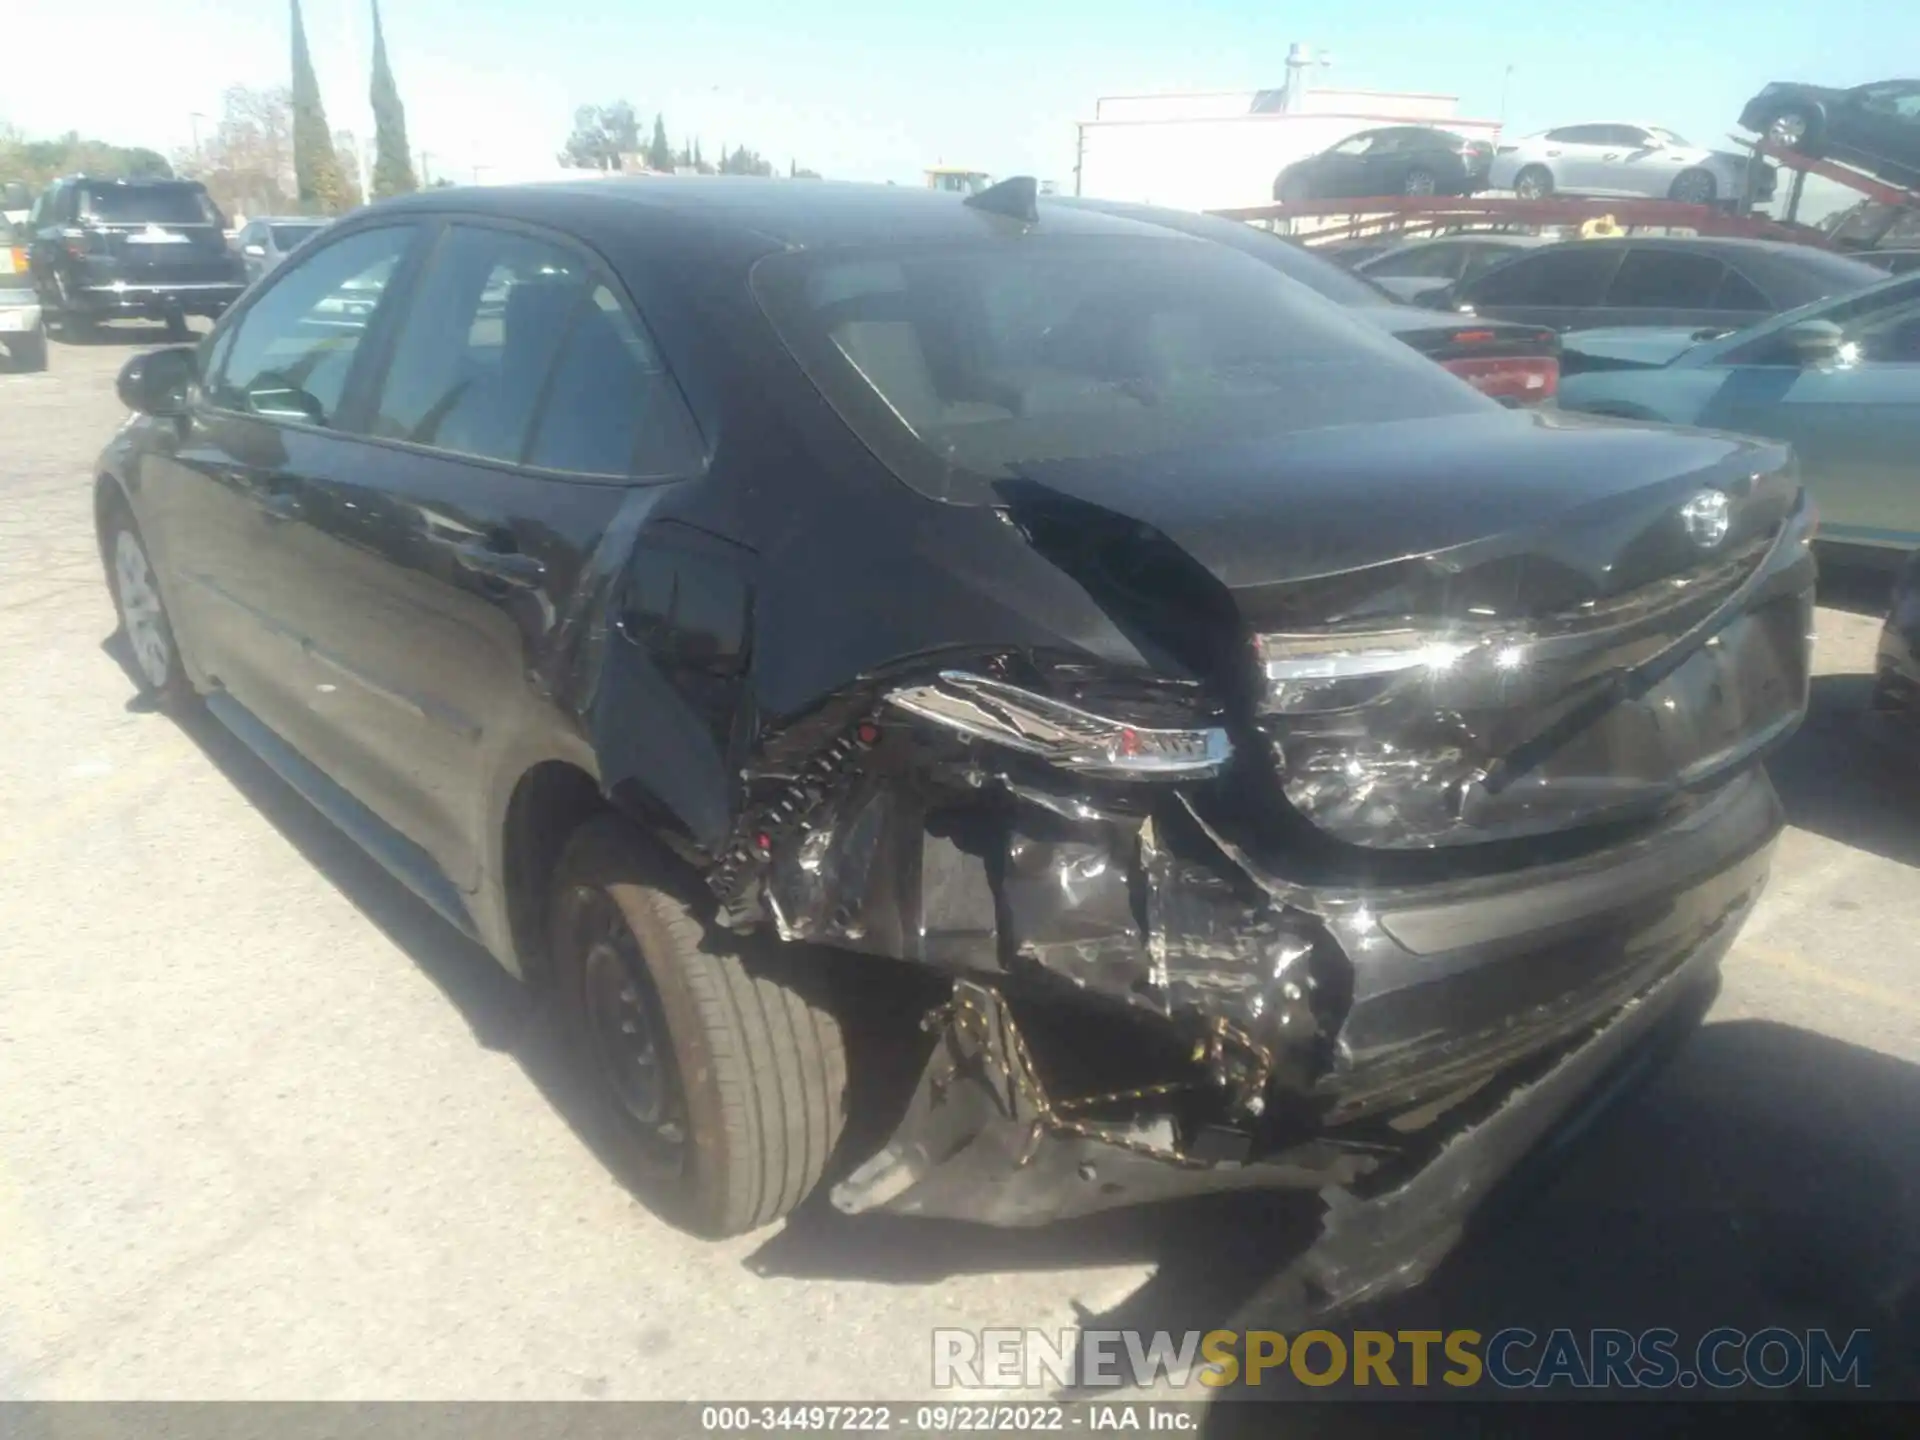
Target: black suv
(131, 249)
(1238, 752)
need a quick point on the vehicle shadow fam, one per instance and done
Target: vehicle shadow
(1768, 1176)
(1836, 780)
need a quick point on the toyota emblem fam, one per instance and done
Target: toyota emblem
(1707, 518)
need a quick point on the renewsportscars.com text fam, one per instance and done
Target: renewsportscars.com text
(1513, 1358)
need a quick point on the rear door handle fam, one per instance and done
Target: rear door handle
(508, 567)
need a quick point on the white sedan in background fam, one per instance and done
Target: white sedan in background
(1619, 159)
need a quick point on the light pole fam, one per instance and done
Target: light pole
(1505, 81)
(194, 118)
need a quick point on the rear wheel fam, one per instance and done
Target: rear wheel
(1793, 129)
(1420, 181)
(144, 622)
(725, 1080)
(1694, 187)
(1533, 183)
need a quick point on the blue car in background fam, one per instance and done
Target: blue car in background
(1838, 379)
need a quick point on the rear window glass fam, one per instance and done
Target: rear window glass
(964, 365)
(149, 204)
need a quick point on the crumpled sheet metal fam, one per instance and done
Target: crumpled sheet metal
(977, 1145)
(1101, 901)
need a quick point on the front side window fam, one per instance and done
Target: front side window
(962, 365)
(1665, 280)
(292, 349)
(1901, 100)
(1355, 145)
(478, 341)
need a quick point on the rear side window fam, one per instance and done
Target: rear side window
(1666, 279)
(478, 342)
(1576, 275)
(291, 351)
(967, 364)
(149, 205)
(609, 391)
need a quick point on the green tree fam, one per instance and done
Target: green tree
(659, 153)
(601, 135)
(319, 182)
(392, 158)
(700, 166)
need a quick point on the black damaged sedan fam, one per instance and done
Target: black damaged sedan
(1280, 764)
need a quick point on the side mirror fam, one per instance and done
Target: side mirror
(257, 252)
(1813, 342)
(157, 382)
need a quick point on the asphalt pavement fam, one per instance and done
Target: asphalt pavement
(270, 1129)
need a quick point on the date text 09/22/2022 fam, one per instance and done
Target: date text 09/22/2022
(948, 1419)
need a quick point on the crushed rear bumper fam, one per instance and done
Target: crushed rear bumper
(1480, 1015)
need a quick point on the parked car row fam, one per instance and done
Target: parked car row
(1875, 127)
(1238, 752)
(1594, 159)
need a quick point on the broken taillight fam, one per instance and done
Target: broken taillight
(1062, 734)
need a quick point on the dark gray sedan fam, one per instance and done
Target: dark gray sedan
(1658, 280)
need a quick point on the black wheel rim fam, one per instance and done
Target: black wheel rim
(1694, 189)
(632, 1048)
(1419, 183)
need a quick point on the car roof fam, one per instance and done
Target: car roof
(795, 214)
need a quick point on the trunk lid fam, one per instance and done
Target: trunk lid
(1485, 627)
(156, 233)
(163, 253)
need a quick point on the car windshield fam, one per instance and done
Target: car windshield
(150, 205)
(285, 237)
(962, 365)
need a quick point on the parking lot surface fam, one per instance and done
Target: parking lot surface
(269, 1128)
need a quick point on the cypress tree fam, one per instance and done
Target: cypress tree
(318, 178)
(393, 158)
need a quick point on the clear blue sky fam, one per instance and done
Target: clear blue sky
(869, 90)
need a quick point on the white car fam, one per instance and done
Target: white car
(1618, 159)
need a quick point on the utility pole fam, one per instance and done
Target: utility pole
(425, 179)
(1505, 81)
